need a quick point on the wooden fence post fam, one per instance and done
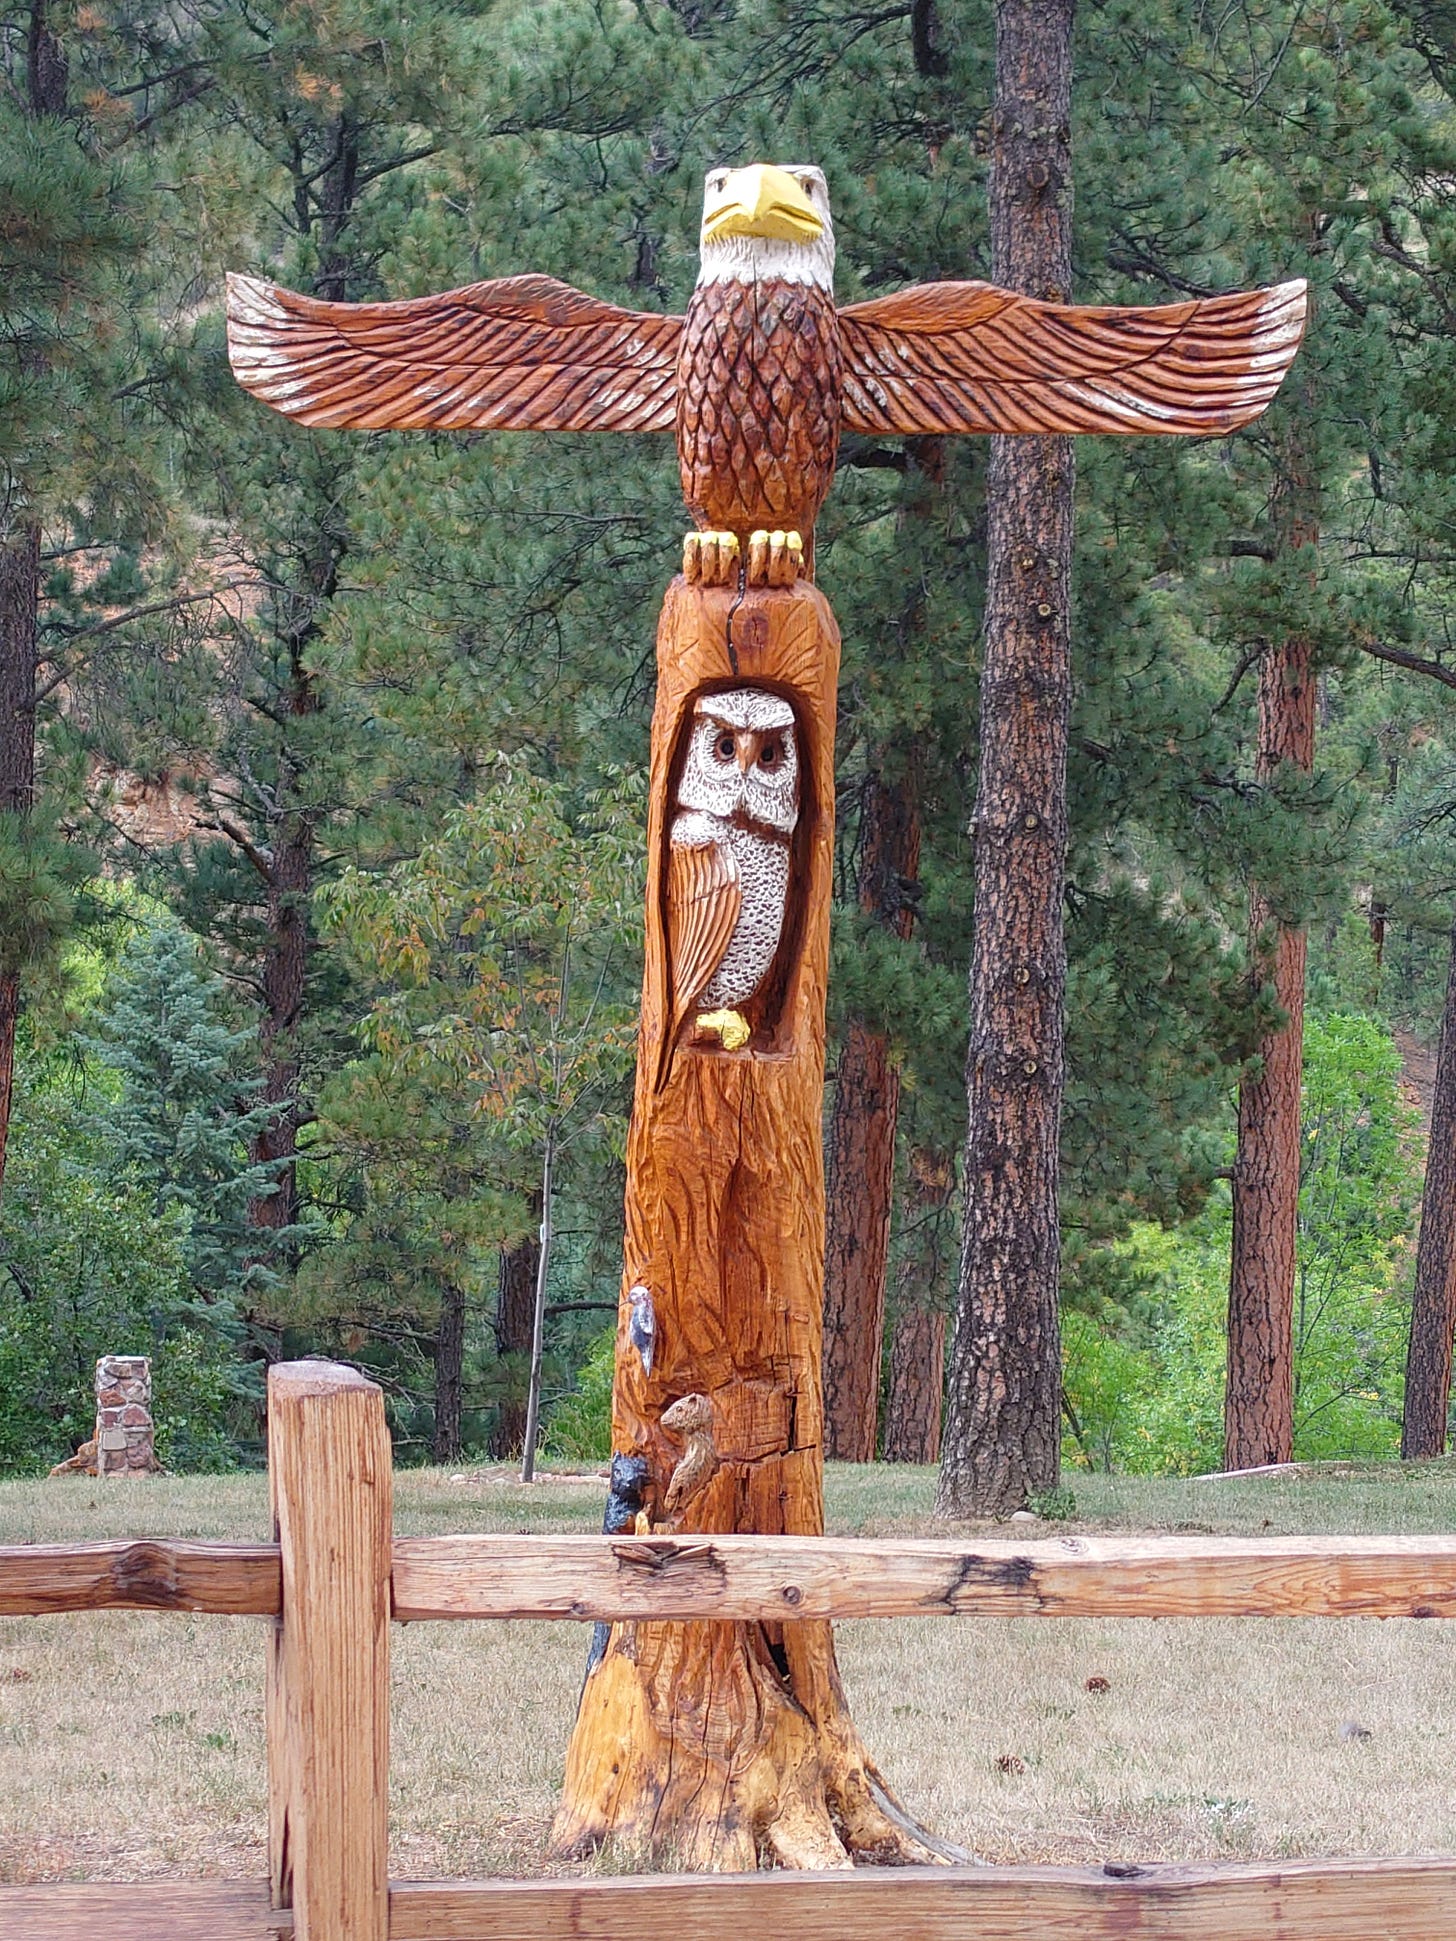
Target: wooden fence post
(331, 1484)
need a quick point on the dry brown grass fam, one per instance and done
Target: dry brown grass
(132, 1745)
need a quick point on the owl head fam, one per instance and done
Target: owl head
(742, 755)
(765, 221)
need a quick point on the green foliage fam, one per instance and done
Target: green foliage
(1147, 1396)
(185, 1108)
(90, 1265)
(579, 1427)
(320, 643)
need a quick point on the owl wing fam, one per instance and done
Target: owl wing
(523, 353)
(704, 899)
(950, 357)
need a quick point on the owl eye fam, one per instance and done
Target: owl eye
(769, 755)
(723, 748)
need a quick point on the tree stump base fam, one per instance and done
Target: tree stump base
(723, 1748)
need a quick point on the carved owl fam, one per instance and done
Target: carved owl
(733, 820)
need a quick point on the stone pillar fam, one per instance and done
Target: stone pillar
(124, 1416)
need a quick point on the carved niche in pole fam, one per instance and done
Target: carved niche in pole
(731, 1744)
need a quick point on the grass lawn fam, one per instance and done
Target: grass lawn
(132, 1745)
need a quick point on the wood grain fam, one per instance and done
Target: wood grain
(1356, 1900)
(222, 1579)
(742, 1577)
(521, 353)
(727, 1741)
(330, 1478)
(958, 357)
(174, 1910)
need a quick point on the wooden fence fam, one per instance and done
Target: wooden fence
(336, 1576)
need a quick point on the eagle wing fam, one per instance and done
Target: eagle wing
(704, 899)
(950, 357)
(523, 353)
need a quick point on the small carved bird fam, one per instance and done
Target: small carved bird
(735, 812)
(642, 1324)
(763, 373)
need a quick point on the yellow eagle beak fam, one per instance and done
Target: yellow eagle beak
(761, 201)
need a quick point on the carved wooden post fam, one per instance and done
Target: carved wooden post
(725, 1743)
(331, 1485)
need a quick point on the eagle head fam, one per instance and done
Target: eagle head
(763, 221)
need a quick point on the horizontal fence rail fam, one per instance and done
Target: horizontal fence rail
(849, 1577)
(1324, 1900)
(589, 1578)
(221, 1579)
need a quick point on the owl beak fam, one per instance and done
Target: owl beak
(746, 748)
(761, 201)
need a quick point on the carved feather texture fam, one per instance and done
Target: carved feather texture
(758, 404)
(704, 897)
(523, 353)
(967, 357)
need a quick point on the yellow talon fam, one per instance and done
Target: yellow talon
(731, 1026)
(774, 558)
(710, 558)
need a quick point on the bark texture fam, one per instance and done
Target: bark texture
(917, 1343)
(724, 1744)
(449, 1374)
(1003, 1426)
(1259, 1398)
(861, 1143)
(1433, 1304)
(287, 870)
(514, 1309)
(19, 612)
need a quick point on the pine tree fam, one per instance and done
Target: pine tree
(1002, 1435)
(66, 460)
(187, 1111)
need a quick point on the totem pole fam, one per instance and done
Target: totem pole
(731, 1744)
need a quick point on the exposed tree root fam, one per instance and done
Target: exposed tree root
(731, 1747)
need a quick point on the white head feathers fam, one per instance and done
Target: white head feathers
(751, 259)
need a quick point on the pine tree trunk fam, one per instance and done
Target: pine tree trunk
(514, 1308)
(917, 1383)
(725, 1744)
(285, 978)
(1003, 1424)
(917, 1348)
(861, 1169)
(19, 619)
(449, 1374)
(1259, 1399)
(289, 878)
(861, 1143)
(1433, 1303)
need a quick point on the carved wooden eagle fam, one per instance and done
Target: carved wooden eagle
(763, 373)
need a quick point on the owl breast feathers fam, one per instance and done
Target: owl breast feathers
(736, 809)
